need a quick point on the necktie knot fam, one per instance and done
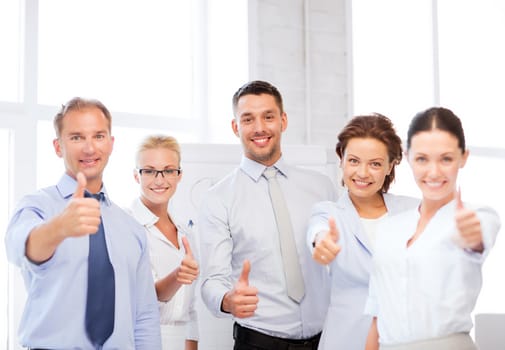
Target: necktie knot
(270, 173)
(98, 196)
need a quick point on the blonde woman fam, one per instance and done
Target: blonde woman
(171, 244)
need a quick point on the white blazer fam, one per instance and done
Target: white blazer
(346, 326)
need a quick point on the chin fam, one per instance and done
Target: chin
(437, 196)
(363, 191)
(89, 172)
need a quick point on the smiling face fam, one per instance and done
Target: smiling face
(85, 144)
(259, 124)
(157, 190)
(435, 158)
(365, 164)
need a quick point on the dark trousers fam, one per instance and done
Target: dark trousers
(248, 339)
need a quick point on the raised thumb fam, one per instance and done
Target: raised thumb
(459, 202)
(81, 185)
(187, 247)
(333, 230)
(244, 276)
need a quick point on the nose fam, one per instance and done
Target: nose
(259, 125)
(89, 146)
(362, 170)
(433, 169)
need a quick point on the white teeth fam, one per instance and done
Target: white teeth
(159, 190)
(433, 184)
(361, 183)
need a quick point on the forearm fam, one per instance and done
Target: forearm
(372, 340)
(212, 293)
(43, 241)
(191, 345)
(167, 286)
(216, 256)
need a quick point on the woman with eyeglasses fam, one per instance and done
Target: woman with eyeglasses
(171, 243)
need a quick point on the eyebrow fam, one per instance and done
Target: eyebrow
(378, 158)
(247, 113)
(443, 154)
(166, 167)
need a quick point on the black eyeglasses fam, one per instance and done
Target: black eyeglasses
(153, 173)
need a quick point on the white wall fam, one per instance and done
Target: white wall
(301, 47)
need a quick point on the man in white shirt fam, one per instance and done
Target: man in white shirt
(243, 272)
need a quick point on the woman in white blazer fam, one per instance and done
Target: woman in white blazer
(342, 234)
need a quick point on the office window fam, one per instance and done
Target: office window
(471, 66)
(10, 59)
(4, 215)
(134, 56)
(228, 52)
(392, 58)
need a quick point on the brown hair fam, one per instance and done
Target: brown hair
(258, 87)
(79, 103)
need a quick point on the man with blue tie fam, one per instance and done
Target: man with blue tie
(253, 224)
(84, 260)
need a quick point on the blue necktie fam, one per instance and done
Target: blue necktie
(100, 300)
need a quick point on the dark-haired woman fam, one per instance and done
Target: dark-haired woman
(427, 264)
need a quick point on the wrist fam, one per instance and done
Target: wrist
(225, 304)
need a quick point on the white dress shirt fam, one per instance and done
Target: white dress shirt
(178, 315)
(237, 222)
(429, 289)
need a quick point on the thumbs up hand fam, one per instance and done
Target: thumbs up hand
(188, 270)
(81, 186)
(327, 247)
(82, 215)
(242, 300)
(469, 231)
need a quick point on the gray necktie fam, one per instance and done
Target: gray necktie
(294, 278)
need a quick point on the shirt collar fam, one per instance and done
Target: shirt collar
(67, 184)
(146, 217)
(255, 170)
(142, 214)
